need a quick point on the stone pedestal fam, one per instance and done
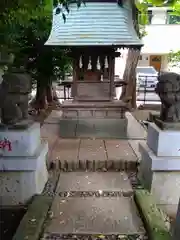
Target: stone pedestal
(160, 164)
(23, 170)
(78, 110)
(96, 114)
(163, 142)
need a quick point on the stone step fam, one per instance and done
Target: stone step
(99, 184)
(93, 165)
(93, 155)
(76, 216)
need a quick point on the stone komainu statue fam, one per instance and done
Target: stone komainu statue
(14, 90)
(168, 89)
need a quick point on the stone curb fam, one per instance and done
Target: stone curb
(31, 225)
(154, 219)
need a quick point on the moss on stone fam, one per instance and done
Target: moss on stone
(31, 225)
(153, 217)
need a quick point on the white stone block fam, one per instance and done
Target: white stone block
(22, 142)
(159, 163)
(160, 175)
(163, 142)
(21, 178)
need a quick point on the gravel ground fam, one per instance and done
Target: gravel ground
(50, 187)
(94, 237)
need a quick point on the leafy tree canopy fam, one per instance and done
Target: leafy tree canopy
(25, 24)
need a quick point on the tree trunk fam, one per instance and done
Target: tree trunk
(49, 94)
(55, 97)
(40, 100)
(128, 94)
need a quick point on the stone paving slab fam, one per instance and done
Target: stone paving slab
(49, 130)
(66, 151)
(94, 181)
(119, 149)
(92, 149)
(94, 216)
(92, 154)
(120, 155)
(135, 146)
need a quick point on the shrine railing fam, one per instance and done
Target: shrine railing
(145, 94)
(145, 90)
(63, 90)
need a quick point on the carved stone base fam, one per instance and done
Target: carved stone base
(19, 142)
(163, 142)
(22, 177)
(76, 110)
(23, 170)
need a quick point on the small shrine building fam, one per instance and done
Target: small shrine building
(93, 32)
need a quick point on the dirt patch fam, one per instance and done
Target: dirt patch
(9, 221)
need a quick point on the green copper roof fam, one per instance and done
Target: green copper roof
(94, 24)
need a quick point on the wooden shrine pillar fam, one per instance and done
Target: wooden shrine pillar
(74, 84)
(111, 75)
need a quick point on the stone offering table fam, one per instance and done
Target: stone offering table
(23, 170)
(114, 109)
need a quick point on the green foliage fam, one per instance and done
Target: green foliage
(176, 12)
(24, 28)
(142, 17)
(176, 7)
(174, 58)
(142, 6)
(16, 18)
